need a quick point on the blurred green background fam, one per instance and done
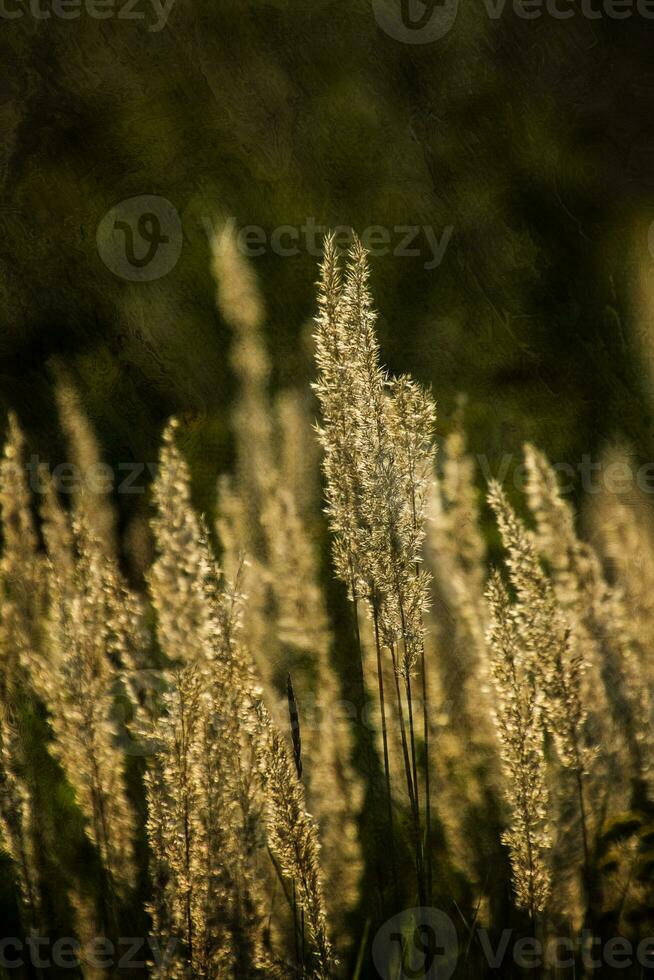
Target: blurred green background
(532, 140)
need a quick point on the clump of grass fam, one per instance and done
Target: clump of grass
(513, 705)
(206, 809)
(377, 438)
(521, 736)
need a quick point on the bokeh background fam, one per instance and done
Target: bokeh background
(532, 140)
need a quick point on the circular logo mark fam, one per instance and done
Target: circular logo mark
(417, 944)
(140, 239)
(415, 21)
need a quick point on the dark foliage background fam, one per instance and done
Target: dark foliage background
(533, 139)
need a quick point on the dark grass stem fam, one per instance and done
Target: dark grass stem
(387, 770)
(425, 735)
(409, 777)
